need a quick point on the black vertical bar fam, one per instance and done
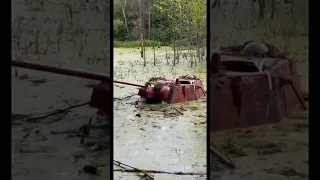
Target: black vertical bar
(111, 88)
(208, 89)
(312, 87)
(6, 87)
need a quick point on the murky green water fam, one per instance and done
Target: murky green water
(156, 137)
(44, 155)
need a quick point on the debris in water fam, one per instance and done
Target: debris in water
(120, 164)
(37, 82)
(98, 147)
(181, 113)
(222, 158)
(91, 169)
(286, 171)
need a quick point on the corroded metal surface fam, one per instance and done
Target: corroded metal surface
(58, 70)
(172, 89)
(100, 97)
(249, 91)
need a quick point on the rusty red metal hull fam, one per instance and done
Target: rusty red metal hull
(242, 99)
(63, 71)
(100, 97)
(171, 91)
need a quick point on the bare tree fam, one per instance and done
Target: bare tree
(142, 32)
(149, 21)
(174, 36)
(123, 8)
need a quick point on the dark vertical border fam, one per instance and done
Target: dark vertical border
(111, 88)
(312, 87)
(208, 89)
(6, 95)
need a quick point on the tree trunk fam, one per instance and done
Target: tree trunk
(273, 8)
(153, 45)
(198, 44)
(205, 50)
(174, 51)
(144, 49)
(124, 15)
(262, 5)
(154, 56)
(189, 38)
(142, 38)
(167, 55)
(190, 54)
(178, 53)
(174, 37)
(149, 22)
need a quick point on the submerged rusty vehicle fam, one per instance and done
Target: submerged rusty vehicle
(247, 91)
(168, 89)
(172, 89)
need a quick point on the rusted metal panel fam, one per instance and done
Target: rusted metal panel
(63, 71)
(177, 95)
(100, 97)
(250, 91)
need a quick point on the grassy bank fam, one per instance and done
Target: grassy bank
(135, 44)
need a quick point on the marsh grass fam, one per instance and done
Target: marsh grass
(128, 65)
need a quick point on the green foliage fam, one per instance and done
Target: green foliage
(169, 20)
(119, 29)
(135, 44)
